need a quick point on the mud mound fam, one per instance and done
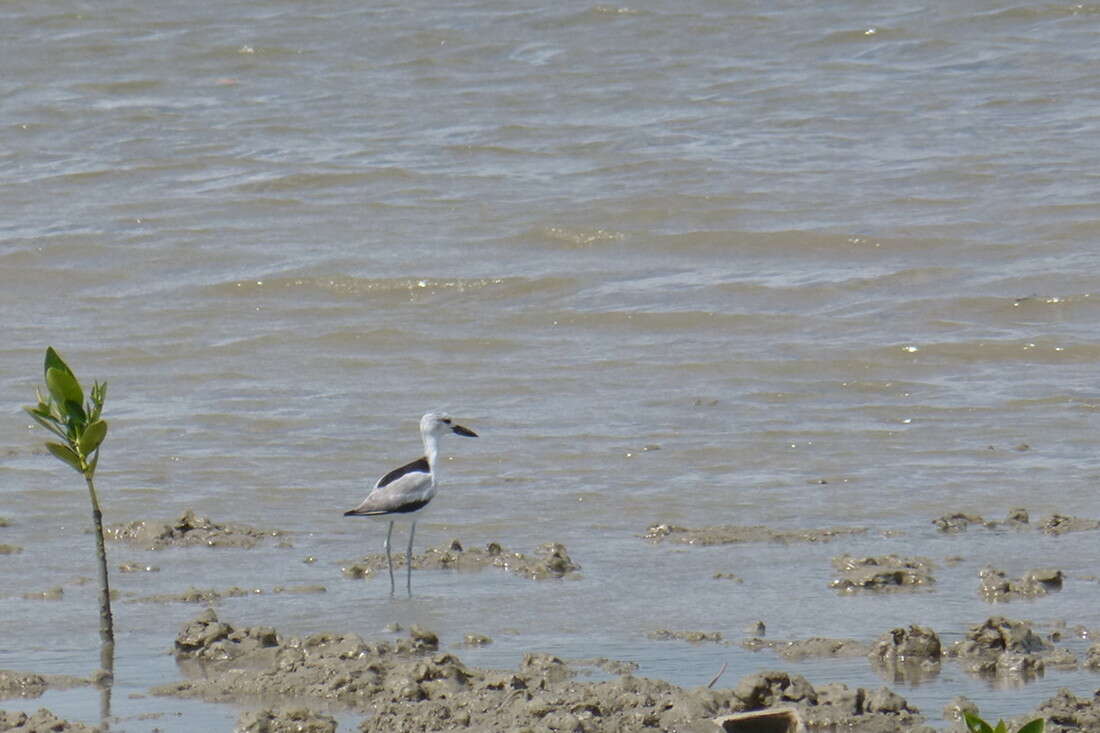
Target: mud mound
(816, 647)
(28, 684)
(211, 596)
(1055, 524)
(1000, 647)
(1058, 524)
(294, 720)
(548, 561)
(409, 685)
(729, 534)
(907, 655)
(40, 722)
(21, 684)
(961, 521)
(830, 705)
(1066, 712)
(187, 530)
(907, 644)
(881, 573)
(997, 587)
(997, 635)
(205, 638)
(1092, 658)
(694, 637)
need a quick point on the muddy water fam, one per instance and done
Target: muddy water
(693, 265)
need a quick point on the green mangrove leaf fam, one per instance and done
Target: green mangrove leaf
(1001, 727)
(75, 414)
(1035, 726)
(54, 361)
(65, 453)
(975, 724)
(64, 388)
(92, 436)
(47, 421)
(41, 410)
(95, 402)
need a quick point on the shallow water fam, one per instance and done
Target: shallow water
(674, 263)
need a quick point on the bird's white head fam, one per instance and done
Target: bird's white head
(437, 424)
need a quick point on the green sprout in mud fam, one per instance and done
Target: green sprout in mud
(974, 724)
(65, 412)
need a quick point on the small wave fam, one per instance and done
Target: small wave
(600, 13)
(856, 35)
(404, 287)
(536, 54)
(988, 350)
(785, 243)
(119, 87)
(1031, 13)
(323, 180)
(577, 238)
(685, 322)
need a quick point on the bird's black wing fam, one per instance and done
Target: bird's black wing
(420, 465)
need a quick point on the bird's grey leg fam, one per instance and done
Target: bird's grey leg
(389, 557)
(408, 561)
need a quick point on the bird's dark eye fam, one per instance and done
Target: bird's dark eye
(446, 421)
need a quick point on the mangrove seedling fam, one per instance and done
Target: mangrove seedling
(76, 422)
(974, 724)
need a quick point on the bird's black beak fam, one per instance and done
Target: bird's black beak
(466, 432)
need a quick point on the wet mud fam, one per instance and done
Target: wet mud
(205, 638)
(816, 647)
(908, 655)
(729, 576)
(136, 567)
(40, 722)
(411, 683)
(475, 640)
(791, 650)
(907, 644)
(695, 637)
(1065, 712)
(881, 573)
(997, 649)
(611, 666)
(408, 684)
(189, 530)
(1004, 648)
(730, 534)
(550, 560)
(30, 685)
(288, 720)
(211, 596)
(961, 521)
(1058, 524)
(1018, 519)
(997, 587)
(51, 594)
